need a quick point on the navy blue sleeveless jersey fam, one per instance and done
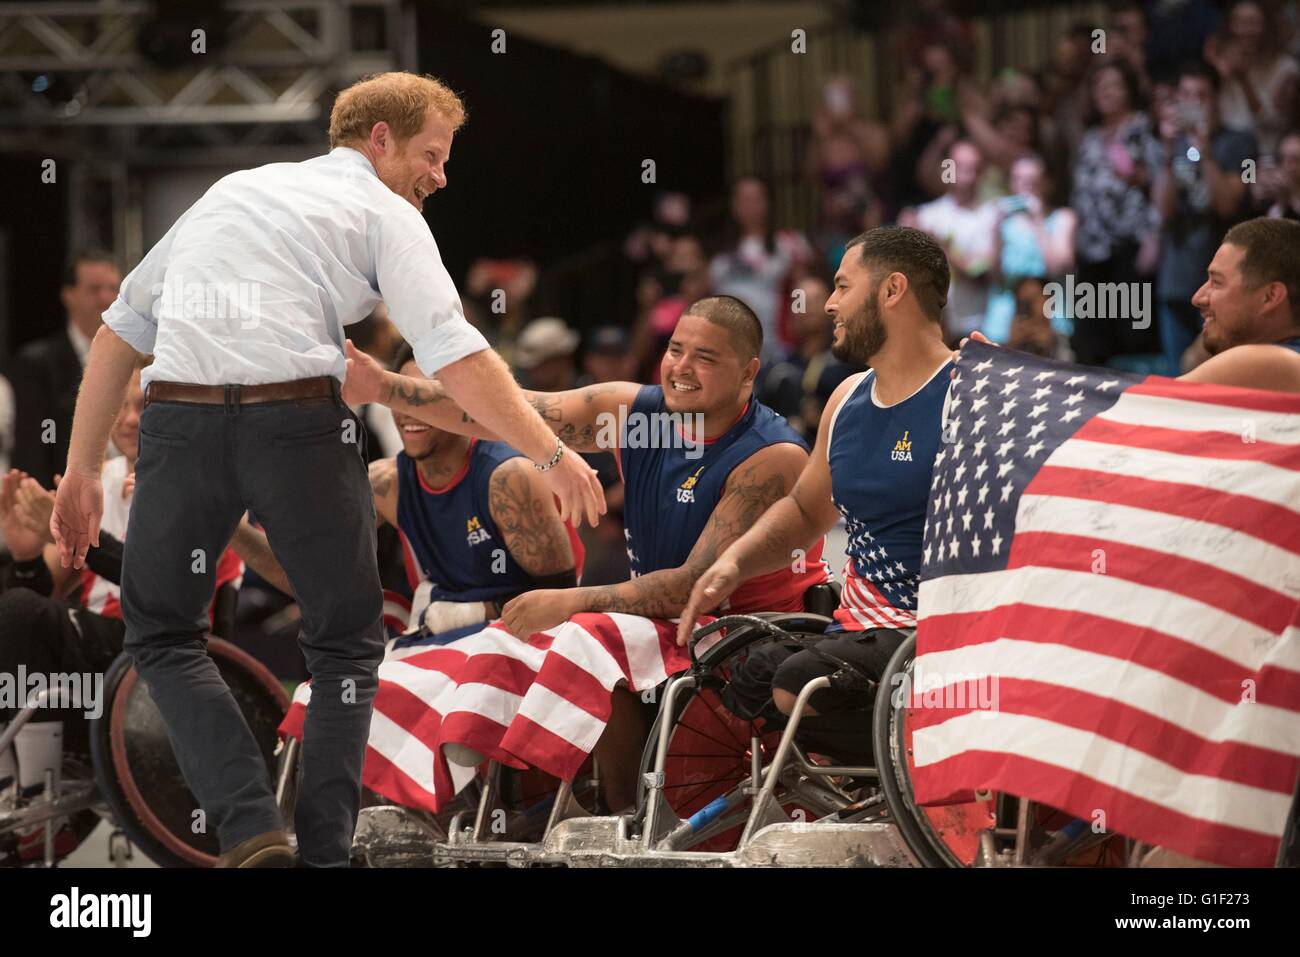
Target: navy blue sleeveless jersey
(881, 458)
(456, 543)
(671, 489)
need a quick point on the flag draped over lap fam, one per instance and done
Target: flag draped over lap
(541, 703)
(1109, 613)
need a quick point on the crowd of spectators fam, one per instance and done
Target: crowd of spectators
(1123, 159)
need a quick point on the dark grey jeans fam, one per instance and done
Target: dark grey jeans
(292, 464)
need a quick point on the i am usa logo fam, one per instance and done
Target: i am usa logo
(686, 491)
(475, 533)
(902, 449)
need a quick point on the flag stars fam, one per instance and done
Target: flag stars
(1071, 415)
(981, 469)
(958, 473)
(1038, 410)
(1074, 399)
(1045, 374)
(1037, 430)
(986, 364)
(1034, 449)
(961, 496)
(1041, 391)
(982, 493)
(1075, 380)
(1008, 405)
(1013, 371)
(1005, 467)
(1006, 427)
(952, 548)
(1108, 384)
(979, 424)
(988, 518)
(1007, 490)
(1006, 446)
(965, 520)
(1010, 387)
(996, 544)
(979, 385)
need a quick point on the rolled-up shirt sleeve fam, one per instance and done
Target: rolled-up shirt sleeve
(422, 300)
(132, 314)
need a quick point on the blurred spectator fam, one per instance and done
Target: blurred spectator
(496, 299)
(1288, 155)
(1177, 31)
(848, 161)
(1257, 77)
(1126, 38)
(1200, 193)
(1029, 240)
(45, 375)
(798, 386)
(1065, 103)
(544, 353)
(1118, 233)
(1002, 129)
(376, 336)
(607, 357)
(935, 25)
(964, 227)
(758, 262)
(928, 107)
(683, 279)
(652, 241)
(1031, 327)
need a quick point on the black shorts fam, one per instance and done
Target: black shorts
(842, 725)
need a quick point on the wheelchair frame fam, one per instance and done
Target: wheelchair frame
(847, 834)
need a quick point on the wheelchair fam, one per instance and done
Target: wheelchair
(130, 777)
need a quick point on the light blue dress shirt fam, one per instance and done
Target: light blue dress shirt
(255, 282)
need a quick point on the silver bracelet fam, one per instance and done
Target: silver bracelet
(555, 459)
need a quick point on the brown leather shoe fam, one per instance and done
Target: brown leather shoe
(270, 849)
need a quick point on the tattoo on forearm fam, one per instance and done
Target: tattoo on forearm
(412, 392)
(533, 533)
(579, 436)
(751, 490)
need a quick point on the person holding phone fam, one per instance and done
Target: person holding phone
(1201, 193)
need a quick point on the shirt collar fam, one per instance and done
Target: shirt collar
(348, 155)
(80, 342)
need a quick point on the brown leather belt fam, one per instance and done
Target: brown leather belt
(236, 395)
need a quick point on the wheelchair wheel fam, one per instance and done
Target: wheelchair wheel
(944, 836)
(137, 772)
(710, 750)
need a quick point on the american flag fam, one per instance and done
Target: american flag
(1114, 562)
(539, 703)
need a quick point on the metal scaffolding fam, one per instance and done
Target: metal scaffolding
(77, 85)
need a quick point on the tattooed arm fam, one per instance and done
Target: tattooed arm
(754, 486)
(796, 521)
(576, 416)
(524, 511)
(756, 483)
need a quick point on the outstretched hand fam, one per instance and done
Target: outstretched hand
(975, 336)
(577, 487)
(711, 589)
(78, 510)
(365, 377)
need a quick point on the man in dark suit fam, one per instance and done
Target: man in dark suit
(46, 374)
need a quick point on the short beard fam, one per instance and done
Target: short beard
(864, 334)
